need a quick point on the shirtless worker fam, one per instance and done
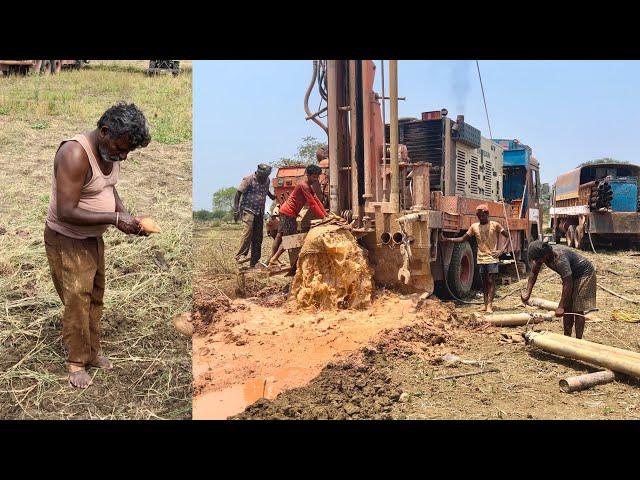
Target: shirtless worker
(84, 202)
(578, 282)
(303, 194)
(486, 233)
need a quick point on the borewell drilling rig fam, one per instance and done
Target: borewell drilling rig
(405, 181)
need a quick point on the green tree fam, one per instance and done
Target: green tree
(222, 200)
(545, 191)
(202, 215)
(306, 154)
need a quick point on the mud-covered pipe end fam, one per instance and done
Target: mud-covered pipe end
(398, 237)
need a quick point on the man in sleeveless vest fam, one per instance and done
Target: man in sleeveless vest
(487, 234)
(84, 202)
(248, 206)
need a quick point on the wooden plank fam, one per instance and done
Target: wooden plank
(293, 241)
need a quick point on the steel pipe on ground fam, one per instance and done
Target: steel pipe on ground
(516, 319)
(579, 350)
(597, 347)
(582, 382)
(542, 303)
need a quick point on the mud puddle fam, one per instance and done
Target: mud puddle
(252, 351)
(363, 384)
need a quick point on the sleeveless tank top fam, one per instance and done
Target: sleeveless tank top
(96, 196)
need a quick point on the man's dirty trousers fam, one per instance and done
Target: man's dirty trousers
(77, 270)
(252, 233)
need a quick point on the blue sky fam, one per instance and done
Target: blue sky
(249, 112)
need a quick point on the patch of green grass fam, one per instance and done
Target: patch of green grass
(40, 125)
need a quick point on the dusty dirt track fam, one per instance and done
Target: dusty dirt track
(386, 362)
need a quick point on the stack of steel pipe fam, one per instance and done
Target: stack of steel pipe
(601, 195)
(605, 356)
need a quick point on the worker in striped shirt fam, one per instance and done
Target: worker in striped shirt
(303, 194)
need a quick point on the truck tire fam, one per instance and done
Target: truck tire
(45, 67)
(524, 255)
(56, 66)
(571, 236)
(580, 241)
(557, 235)
(461, 269)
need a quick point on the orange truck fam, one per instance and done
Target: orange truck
(404, 182)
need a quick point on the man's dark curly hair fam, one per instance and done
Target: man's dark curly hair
(538, 249)
(126, 119)
(313, 170)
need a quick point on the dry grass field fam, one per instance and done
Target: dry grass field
(148, 279)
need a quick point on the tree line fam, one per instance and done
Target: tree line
(222, 199)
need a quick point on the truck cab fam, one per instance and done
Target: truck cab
(521, 184)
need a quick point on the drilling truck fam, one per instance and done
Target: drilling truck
(404, 182)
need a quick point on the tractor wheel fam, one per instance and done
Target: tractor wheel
(557, 235)
(571, 236)
(56, 66)
(524, 255)
(580, 240)
(45, 67)
(461, 269)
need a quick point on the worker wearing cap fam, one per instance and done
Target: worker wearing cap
(487, 234)
(248, 206)
(578, 282)
(303, 194)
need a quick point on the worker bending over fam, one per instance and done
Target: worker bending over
(486, 233)
(578, 282)
(303, 194)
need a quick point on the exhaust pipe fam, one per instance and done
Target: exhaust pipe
(385, 238)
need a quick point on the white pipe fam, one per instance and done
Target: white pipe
(332, 116)
(393, 137)
(384, 141)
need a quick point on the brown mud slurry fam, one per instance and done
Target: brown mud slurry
(248, 349)
(332, 271)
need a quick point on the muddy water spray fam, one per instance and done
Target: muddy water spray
(332, 271)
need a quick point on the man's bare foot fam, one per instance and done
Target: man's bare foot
(489, 309)
(102, 362)
(79, 379)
